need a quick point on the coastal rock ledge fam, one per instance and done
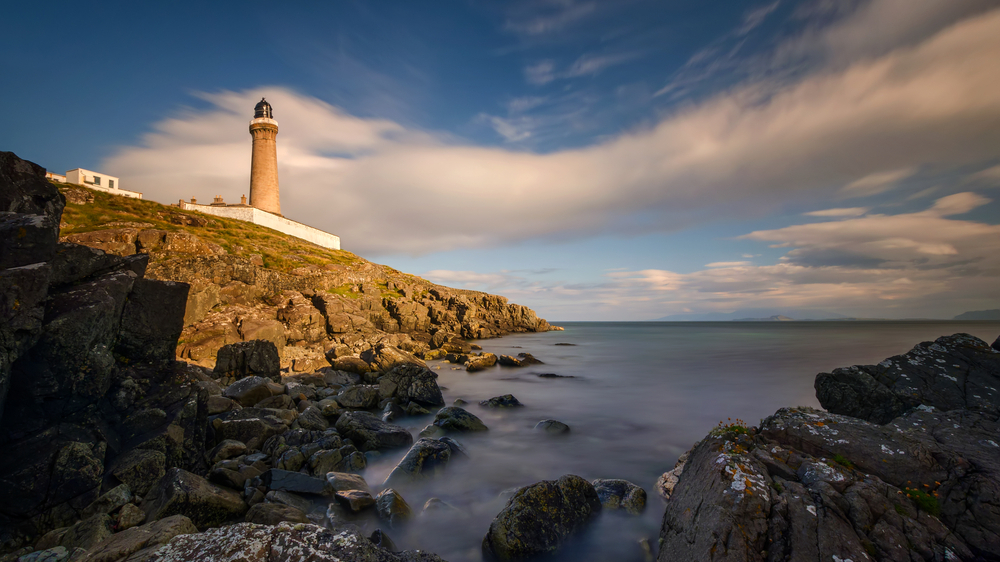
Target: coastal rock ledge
(919, 479)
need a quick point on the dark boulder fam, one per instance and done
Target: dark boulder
(248, 358)
(539, 518)
(552, 426)
(370, 433)
(459, 420)
(295, 482)
(620, 494)
(952, 372)
(26, 239)
(392, 508)
(153, 320)
(25, 189)
(413, 383)
(141, 469)
(425, 459)
(248, 391)
(505, 401)
(181, 493)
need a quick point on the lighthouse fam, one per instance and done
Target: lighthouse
(264, 162)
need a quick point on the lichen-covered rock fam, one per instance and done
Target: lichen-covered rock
(284, 542)
(110, 501)
(411, 383)
(382, 358)
(952, 372)
(620, 494)
(355, 500)
(539, 518)
(340, 481)
(227, 449)
(248, 358)
(361, 396)
(370, 433)
(425, 459)
(392, 508)
(129, 516)
(180, 492)
(459, 420)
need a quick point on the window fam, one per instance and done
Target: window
(97, 180)
(111, 184)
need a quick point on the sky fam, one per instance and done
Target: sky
(591, 159)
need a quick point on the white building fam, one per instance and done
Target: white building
(95, 180)
(257, 216)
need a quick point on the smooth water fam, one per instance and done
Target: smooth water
(640, 395)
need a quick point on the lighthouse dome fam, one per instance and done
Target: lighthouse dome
(262, 109)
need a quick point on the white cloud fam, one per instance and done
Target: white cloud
(989, 176)
(539, 17)
(753, 18)
(876, 183)
(385, 188)
(848, 212)
(542, 72)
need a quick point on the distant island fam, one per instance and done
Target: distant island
(979, 315)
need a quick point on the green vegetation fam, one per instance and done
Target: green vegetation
(842, 460)
(926, 501)
(278, 251)
(731, 429)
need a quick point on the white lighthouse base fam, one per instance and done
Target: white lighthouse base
(263, 218)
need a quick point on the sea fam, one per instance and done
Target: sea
(636, 395)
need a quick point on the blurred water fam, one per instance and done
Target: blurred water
(640, 395)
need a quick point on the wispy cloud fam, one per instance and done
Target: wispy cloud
(545, 16)
(754, 17)
(545, 71)
(879, 182)
(848, 212)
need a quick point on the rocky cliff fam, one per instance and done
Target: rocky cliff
(315, 305)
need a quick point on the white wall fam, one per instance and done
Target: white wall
(87, 178)
(274, 222)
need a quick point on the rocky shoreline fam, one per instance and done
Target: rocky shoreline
(126, 437)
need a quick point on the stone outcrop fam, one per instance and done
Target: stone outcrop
(815, 485)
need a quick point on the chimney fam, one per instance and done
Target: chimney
(243, 199)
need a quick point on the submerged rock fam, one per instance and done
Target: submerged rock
(552, 426)
(392, 508)
(505, 401)
(620, 494)
(539, 518)
(458, 420)
(426, 458)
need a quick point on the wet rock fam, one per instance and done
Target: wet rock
(522, 359)
(312, 419)
(219, 405)
(122, 545)
(540, 517)
(505, 401)
(392, 412)
(110, 501)
(248, 391)
(140, 469)
(248, 358)
(411, 383)
(552, 426)
(425, 459)
(351, 364)
(130, 516)
(227, 449)
(480, 362)
(55, 554)
(370, 433)
(362, 396)
(392, 508)
(620, 494)
(322, 462)
(87, 533)
(382, 540)
(253, 431)
(295, 482)
(274, 513)
(459, 420)
(180, 492)
(341, 481)
(355, 500)
(438, 507)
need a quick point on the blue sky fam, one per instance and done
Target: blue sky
(594, 160)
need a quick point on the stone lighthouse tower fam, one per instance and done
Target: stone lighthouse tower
(264, 164)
